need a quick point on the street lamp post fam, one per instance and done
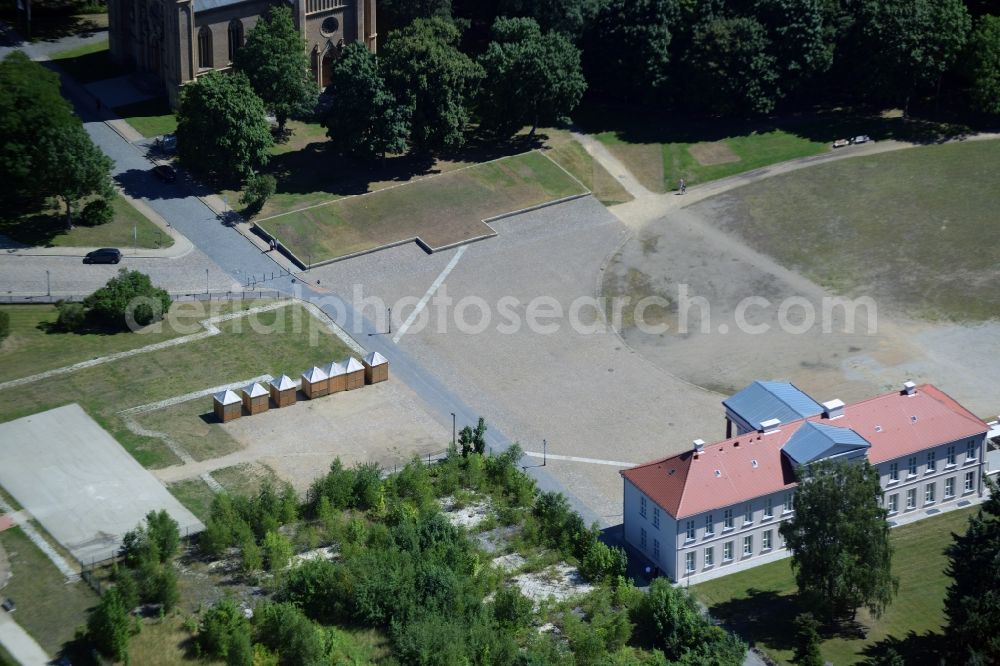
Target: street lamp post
(206, 280)
(545, 449)
(453, 429)
(48, 284)
(390, 319)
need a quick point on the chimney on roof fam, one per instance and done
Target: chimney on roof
(833, 409)
(909, 388)
(699, 445)
(769, 426)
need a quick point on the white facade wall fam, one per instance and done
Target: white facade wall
(657, 524)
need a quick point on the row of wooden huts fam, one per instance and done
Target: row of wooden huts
(335, 377)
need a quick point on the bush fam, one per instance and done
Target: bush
(601, 562)
(128, 300)
(4, 325)
(511, 608)
(96, 213)
(221, 627)
(72, 316)
(257, 189)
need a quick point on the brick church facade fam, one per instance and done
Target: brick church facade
(177, 41)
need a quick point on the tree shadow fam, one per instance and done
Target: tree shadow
(144, 184)
(927, 649)
(762, 616)
(33, 229)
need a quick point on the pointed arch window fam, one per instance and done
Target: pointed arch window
(235, 37)
(205, 48)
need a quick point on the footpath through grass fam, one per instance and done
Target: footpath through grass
(915, 229)
(761, 603)
(128, 228)
(287, 340)
(442, 210)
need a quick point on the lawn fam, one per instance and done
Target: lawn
(244, 479)
(128, 228)
(760, 604)
(275, 344)
(572, 156)
(441, 210)
(195, 495)
(88, 63)
(914, 229)
(192, 424)
(48, 607)
(150, 117)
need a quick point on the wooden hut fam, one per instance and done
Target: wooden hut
(256, 399)
(355, 373)
(283, 391)
(376, 368)
(338, 377)
(315, 383)
(228, 406)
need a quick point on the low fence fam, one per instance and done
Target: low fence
(248, 295)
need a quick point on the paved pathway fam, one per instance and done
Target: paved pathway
(20, 644)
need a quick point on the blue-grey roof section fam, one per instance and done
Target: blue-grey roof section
(764, 400)
(205, 5)
(816, 441)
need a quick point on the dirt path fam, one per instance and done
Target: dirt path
(612, 165)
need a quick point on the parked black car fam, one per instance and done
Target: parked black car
(106, 255)
(165, 172)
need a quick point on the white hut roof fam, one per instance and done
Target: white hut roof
(374, 358)
(283, 383)
(227, 397)
(255, 390)
(352, 364)
(314, 374)
(335, 369)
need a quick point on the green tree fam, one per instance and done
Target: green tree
(627, 49)
(569, 17)
(397, 14)
(729, 68)
(512, 609)
(128, 300)
(839, 540)
(257, 189)
(807, 641)
(163, 587)
(76, 168)
(798, 39)
(283, 628)
(222, 129)
(364, 118)
(433, 79)
(530, 78)
(108, 626)
(251, 559)
(982, 64)
(219, 628)
(277, 551)
(274, 59)
(902, 45)
(164, 531)
(972, 604)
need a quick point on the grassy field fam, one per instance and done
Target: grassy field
(48, 229)
(192, 425)
(245, 479)
(239, 352)
(48, 607)
(150, 117)
(914, 229)
(88, 63)
(573, 157)
(193, 494)
(761, 603)
(442, 210)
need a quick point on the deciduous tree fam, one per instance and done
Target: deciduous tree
(275, 61)
(397, 14)
(128, 299)
(108, 626)
(982, 64)
(839, 540)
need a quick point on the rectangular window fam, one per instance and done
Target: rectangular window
(709, 557)
(911, 466)
(970, 451)
(931, 461)
(727, 519)
(894, 503)
(911, 498)
(789, 502)
(894, 471)
(642, 538)
(929, 493)
(709, 526)
(656, 549)
(748, 545)
(727, 552)
(768, 508)
(690, 530)
(765, 540)
(689, 563)
(748, 514)
(656, 517)
(951, 455)
(970, 481)
(949, 488)
(642, 506)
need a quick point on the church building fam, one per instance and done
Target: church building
(176, 41)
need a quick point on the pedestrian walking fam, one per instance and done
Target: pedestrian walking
(683, 186)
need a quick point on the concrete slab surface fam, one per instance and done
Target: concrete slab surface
(79, 483)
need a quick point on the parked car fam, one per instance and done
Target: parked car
(861, 138)
(9, 605)
(840, 143)
(165, 172)
(106, 255)
(167, 143)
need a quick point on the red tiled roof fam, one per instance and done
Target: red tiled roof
(725, 474)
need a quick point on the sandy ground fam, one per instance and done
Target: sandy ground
(384, 423)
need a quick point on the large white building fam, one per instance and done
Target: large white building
(717, 506)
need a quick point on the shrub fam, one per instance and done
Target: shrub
(601, 562)
(277, 551)
(220, 628)
(257, 189)
(72, 316)
(96, 213)
(4, 325)
(511, 608)
(128, 299)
